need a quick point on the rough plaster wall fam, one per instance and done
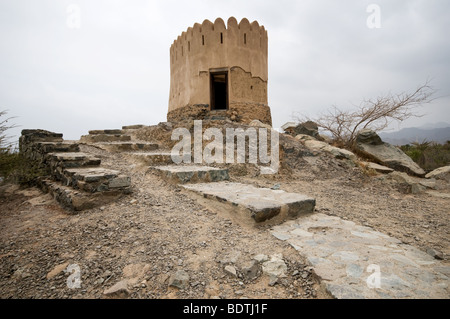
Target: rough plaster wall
(245, 88)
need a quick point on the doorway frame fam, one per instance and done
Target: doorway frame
(212, 73)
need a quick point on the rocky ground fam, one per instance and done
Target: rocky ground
(161, 236)
(145, 238)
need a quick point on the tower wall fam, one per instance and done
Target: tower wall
(240, 49)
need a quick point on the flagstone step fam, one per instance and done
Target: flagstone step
(357, 262)
(262, 204)
(192, 173)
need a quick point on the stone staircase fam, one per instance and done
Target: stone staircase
(117, 140)
(75, 179)
(122, 141)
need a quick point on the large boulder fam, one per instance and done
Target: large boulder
(307, 128)
(411, 185)
(316, 145)
(442, 173)
(370, 145)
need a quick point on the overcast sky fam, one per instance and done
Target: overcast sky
(114, 69)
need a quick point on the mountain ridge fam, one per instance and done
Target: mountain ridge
(417, 134)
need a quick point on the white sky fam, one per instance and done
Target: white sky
(114, 69)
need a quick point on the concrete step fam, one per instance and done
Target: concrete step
(127, 146)
(76, 200)
(192, 173)
(72, 160)
(151, 158)
(95, 179)
(262, 204)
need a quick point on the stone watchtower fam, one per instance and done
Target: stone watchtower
(220, 70)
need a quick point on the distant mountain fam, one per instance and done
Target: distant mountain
(414, 134)
(430, 126)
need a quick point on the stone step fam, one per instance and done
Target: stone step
(107, 132)
(100, 138)
(96, 179)
(262, 203)
(127, 146)
(29, 136)
(357, 262)
(133, 127)
(76, 200)
(58, 147)
(192, 173)
(151, 158)
(72, 160)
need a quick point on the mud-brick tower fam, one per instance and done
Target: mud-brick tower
(220, 70)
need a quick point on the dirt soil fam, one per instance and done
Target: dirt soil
(160, 228)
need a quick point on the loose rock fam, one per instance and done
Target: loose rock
(275, 267)
(119, 290)
(179, 280)
(231, 270)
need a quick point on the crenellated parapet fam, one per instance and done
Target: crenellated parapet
(215, 47)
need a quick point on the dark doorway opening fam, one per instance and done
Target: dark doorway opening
(219, 90)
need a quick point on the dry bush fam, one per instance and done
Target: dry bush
(375, 114)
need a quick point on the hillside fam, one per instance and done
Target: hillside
(164, 241)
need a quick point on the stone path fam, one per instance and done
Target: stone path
(357, 262)
(262, 203)
(351, 260)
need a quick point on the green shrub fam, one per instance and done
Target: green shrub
(429, 155)
(17, 169)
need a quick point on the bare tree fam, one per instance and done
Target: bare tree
(375, 114)
(4, 126)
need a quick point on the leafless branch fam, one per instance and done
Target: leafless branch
(376, 114)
